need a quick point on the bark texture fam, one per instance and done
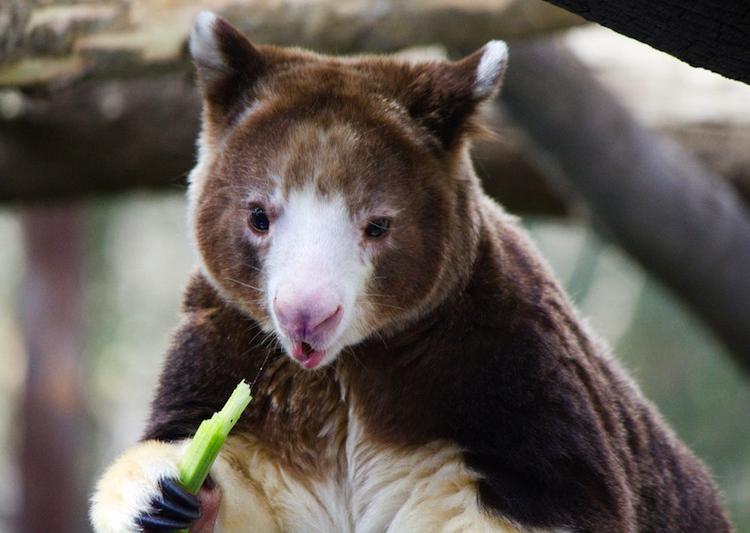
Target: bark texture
(57, 42)
(104, 137)
(712, 35)
(100, 137)
(117, 136)
(673, 215)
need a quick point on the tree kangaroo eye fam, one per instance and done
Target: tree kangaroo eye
(258, 220)
(377, 228)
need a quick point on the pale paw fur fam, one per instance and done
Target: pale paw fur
(131, 482)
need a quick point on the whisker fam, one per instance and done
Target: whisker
(352, 351)
(253, 267)
(271, 338)
(260, 331)
(244, 284)
(379, 295)
(381, 338)
(381, 304)
(260, 369)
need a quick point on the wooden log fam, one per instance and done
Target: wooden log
(100, 137)
(14, 17)
(711, 35)
(103, 137)
(721, 147)
(678, 219)
(68, 40)
(118, 136)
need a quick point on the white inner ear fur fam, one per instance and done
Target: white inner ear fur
(203, 45)
(490, 68)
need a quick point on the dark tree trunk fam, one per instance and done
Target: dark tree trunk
(52, 414)
(678, 219)
(704, 33)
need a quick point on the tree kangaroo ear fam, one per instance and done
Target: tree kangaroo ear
(227, 64)
(444, 96)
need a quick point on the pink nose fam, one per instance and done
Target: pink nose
(310, 318)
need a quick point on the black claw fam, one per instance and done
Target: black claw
(174, 508)
(169, 509)
(174, 490)
(151, 522)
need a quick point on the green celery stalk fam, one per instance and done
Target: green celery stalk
(203, 449)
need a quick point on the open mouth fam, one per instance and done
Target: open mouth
(308, 356)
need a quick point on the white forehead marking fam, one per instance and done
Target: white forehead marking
(315, 221)
(315, 245)
(490, 67)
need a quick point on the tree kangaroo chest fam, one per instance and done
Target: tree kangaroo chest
(343, 481)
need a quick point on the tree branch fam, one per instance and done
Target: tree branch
(105, 137)
(61, 41)
(678, 219)
(102, 137)
(702, 33)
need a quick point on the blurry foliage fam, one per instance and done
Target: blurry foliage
(139, 258)
(11, 361)
(685, 372)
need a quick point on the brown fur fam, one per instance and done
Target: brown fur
(475, 344)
